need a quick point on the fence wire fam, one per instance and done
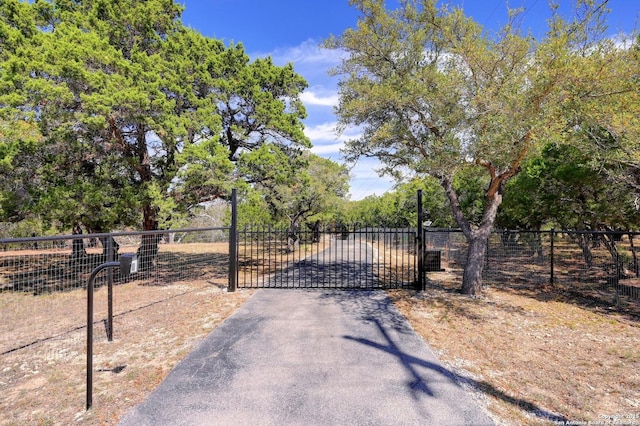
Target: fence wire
(43, 298)
(43, 280)
(37, 274)
(580, 262)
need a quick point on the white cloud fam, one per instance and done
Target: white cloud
(311, 97)
(324, 139)
(310, 60)
(313, 62)
(330, 150)
(323, 132)
(308, 52)
(327, 132)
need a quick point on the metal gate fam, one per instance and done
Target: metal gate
(335, 257)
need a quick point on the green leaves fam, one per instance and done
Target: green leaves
(205, 174)
(125, 103)
(562, 187)
(294, 189)
(436, 95)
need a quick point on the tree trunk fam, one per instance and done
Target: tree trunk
(584, 241)
(78, 253)
(634, 254)
(472, 277)
(293, 237)
(77, 246)
(148, 250)
(617, 260)
(477, 238)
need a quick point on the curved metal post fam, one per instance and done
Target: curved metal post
(90, 328)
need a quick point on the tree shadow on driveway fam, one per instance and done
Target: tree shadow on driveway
(385, 317)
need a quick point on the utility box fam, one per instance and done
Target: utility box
(432, 261)
(128, 263)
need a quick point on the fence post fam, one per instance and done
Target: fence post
(553, 237)
(110, 289)
(233, 242)
(92, 277)
(420, 242)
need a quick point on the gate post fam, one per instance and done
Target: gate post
(420, 243)
(110, 258)
(233, 242)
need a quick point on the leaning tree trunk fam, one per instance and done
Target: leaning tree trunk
(479, 238)
(584, 241)
(609, 240)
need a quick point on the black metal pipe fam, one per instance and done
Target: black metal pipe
(420, 251)
(90, 328)
(233, 243)
(110, 290)
(553, 234)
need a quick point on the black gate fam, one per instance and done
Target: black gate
(333, 257)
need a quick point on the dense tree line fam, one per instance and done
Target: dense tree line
(437, 95)
(292, 196)
(113, 113)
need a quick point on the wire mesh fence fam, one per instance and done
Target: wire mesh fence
(43, 284)
(580, 262)
(376, 257)
(58, 268)
(43, 303)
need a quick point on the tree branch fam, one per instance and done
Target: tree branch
(456, 209)
(498, 182)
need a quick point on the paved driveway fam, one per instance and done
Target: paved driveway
(344, 263)
(310, 357)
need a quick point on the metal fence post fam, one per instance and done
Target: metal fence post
(233, 242)
(553, 237)
(420, 242)
(90, 329)
(109, 247)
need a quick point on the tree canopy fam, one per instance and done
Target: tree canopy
(114, 113)
(437, 95)
(293, 193)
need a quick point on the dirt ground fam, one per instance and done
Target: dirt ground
(43, 383)
(529, 357)
(535, 358)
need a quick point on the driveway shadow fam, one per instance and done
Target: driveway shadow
(379, 310)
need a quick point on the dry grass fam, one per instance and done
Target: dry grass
(531, 356)
(154, 327)
(534, 357)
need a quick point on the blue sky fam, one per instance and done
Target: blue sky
(292, 30)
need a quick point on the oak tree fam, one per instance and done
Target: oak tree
(436, 95)
(135, 118)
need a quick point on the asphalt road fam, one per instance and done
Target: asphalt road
(310, 357)
(342, 264)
